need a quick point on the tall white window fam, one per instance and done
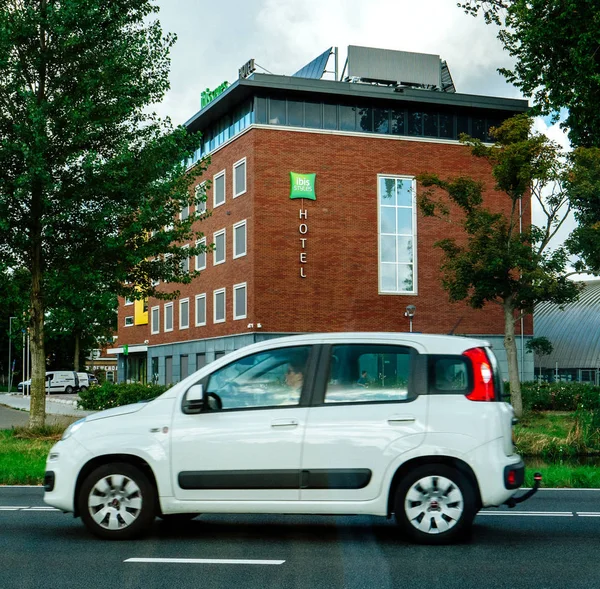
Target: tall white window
(239, 301)
(185, 213)
(219, 251)
(200, 310)
(239, 239)
(168, 317)
(200, 197)
(201, 258)
(155, 320)
(397, 235)
(239, 178)
(219, 306)
(184, 313)
(219, 189)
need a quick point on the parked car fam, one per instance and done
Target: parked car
(348, 423)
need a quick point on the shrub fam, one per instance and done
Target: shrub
(109, 395)
(558, 396)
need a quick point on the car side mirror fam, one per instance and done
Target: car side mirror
(193, 401)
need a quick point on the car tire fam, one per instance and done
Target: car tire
(69, 390)
(81, 389)
(435, 504)
(117, 502)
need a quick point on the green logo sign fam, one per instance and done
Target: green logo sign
(125, 350)
(209, 95)
(303, 186)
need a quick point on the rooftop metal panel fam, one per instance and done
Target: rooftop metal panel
(314, 70)
(394, 66)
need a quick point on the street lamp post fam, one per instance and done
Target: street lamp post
(410, 313)
(10, 370)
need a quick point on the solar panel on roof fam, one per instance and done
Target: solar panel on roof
(315, 69)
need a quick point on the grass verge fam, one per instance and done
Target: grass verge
(23, 454)
(556, 476)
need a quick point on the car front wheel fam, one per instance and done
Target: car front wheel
(117, 502)
(435, 504)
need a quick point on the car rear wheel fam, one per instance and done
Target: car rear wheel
(435, 504)
(117, 502)
(69, 390)
(82, 389)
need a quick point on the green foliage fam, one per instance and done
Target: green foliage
(109, 395)
(555, 45)
(559, 396)
(541, 346)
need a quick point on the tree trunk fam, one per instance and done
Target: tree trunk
(37, 410)
(76, 359)
(510, 345)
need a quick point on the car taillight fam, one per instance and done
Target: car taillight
(483, 376)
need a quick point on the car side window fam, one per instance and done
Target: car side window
(363, 373)
(273, 378)
(449, 374)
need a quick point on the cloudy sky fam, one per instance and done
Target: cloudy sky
(215, 38)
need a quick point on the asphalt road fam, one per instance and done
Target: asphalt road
(10, 418)
(551, 541)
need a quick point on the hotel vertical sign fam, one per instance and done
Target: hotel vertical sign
(303, 186)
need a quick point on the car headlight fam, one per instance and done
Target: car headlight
(72, 428)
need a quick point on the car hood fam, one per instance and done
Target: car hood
(116, 411)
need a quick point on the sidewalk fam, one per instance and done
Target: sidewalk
(55, 404)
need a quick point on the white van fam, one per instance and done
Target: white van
(60, 381)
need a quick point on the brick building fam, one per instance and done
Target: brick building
(338, 245)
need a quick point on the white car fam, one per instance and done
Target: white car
(341, 423)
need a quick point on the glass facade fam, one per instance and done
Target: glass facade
(411, 121)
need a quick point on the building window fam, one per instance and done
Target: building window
(239, 178)
(155, 320)
(128, 301)
(168, 370)
(185, 213)
(201, 258)
(239, 301)
(219, 189)
(200, 361)
(219, 306)
(168, 316)
(185, 262)
(239, 239)
(397, 235)
(183, 369)
(200, 310)
(219, 251)
(129, 321)
(200, 198)
(184, 313)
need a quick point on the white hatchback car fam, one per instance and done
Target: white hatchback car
(341, 423)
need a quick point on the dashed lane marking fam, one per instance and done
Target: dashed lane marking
(205, 561)
(26, 508)
(529, 513)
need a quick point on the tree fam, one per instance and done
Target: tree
(555, 43)
(89, 175)
(500, 261)
(540, 346)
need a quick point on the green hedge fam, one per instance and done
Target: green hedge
(109, 395)
(559, 396)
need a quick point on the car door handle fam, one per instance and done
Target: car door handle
(284, 423)
(398, 419)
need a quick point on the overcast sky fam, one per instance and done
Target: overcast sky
(215, 38)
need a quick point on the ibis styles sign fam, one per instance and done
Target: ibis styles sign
(303, 186)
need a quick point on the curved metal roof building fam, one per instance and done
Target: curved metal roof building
(573, 331)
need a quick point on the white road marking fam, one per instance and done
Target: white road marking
(26, 508)
(530, 513)
(588, 514)
(204, 561)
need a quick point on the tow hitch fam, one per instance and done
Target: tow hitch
(537, 480)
